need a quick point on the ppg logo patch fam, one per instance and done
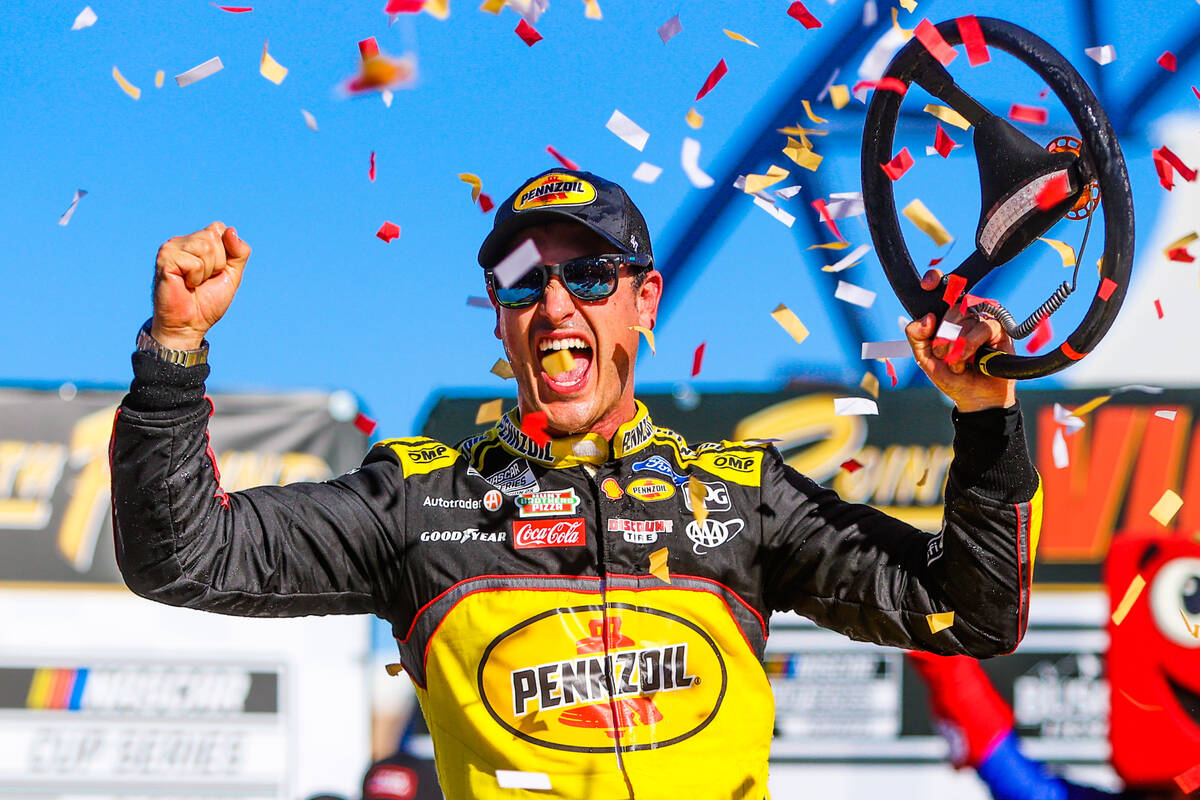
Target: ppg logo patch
(716, 497)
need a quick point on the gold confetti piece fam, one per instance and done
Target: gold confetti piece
(658, 565)
(474, 182)
(1166, 508)
(923, 218)
(438, 9)
(127, 87)
(394, 669)
(696, 493)
(489, 411)
(802, 132)
(808, 110)
(948, 115)
(756, 183)
(1194, 630)
(592, 9)
(1142, 706)
(158, 79)
(907, 33)
(649, 334)
(790, 323)
(502, 369)
(737, 37)
(493, 6)
(804, 156)
(839, 95)
(1065, 251)
(694, 120)
(924, 477)
(1091, 405)
(909, 5)
(1131, 595)
(558, 362)
(271, 69)
(870, 385)
(1179, 244)
(939, 622)
(829, 246)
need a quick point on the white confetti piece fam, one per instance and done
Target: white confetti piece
(670, 29)
(870, 13)
(86, 19)
(387, 96)
(857, 295)
(1059, 450)
(517, 263)
(66, 217)
(788, 192)
(739, 183)
(511, 779)
(854, 406)
(1067, 419)
(948, 330)
(1138, 387)
(200, 71)
(690, 160)
(848, 260)
(309, 119)
(930, 150)
(627, 130)
(895, 349)
(842, 205)
(1165, 415)
(878, 57)
(647, 172)
(776, 212)
(1104, 54)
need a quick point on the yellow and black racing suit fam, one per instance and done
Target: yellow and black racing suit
(562, 609)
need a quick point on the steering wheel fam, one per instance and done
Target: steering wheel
(1012, 169)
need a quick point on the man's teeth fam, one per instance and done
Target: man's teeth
(562, 344)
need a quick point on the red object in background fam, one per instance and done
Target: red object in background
(928, 35)
(371, 172)
(1180, 254)
(891, 371)
(889, 84)
(972, 37)
(1158, 308)
(528, 33)
(954, 287)
(797, 11)
(1041, 334)
(697, 359)
(368, 48)
(1167, 61)
(899, 165)
(1031, 114)
(823, 211)
(533, 425)
(1189, 781)
(365, 424)
(1164, 153)
(1107, 287)
(956, 350)
(851, 466)
(485, 202)
(1054, 192)
(388, 231)
(403, 6)
(235, 9)
(713, 78)
(963, 699)
(942, 142)
(566, 162)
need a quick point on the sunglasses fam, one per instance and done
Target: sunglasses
(589, 279)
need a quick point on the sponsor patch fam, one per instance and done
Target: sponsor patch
(390, 782)
(641, 531)
(493, 500)
(712, 533)
(469, 503)
(650, 490)
(547, 503)
(514, 479)
(734, 462)
(549, 533)
(555, 189)
(935, 547)
(467, 535)
(662, 467)
(612, 490)
(716, 497)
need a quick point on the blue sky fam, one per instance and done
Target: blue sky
(325, 304)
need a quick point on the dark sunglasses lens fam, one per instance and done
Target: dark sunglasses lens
(590, 278)
(523, 292)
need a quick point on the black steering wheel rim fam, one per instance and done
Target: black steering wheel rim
(1102, 151)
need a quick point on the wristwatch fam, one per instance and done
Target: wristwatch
(184, 358)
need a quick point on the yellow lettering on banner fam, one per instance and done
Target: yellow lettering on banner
(29, 473)
(89, 505)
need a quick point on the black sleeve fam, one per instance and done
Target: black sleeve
(308, 548)
(856, 570)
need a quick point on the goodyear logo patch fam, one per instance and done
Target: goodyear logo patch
(555, 190)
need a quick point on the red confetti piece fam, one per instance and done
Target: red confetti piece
(1107, 287)
(889, 84)
(566, 162)
(942, 142)
(1196, 92)
(1175, 161)
(235, 9)
(403, 6)
(819, 205)
(1042, 94)
(972, 37)
(1031, 114)
(1158, 309)
(929, 36)
(527, 33)
(1188, 781)
(797, 11)
(365, 424)
(954, 286)
(891, 371)
(898, 165)
(956, 350)
(1054, 192)
(935, 261)
(371, 171)
(1167, 61)
(1180, 254)
(533, 424)
(714, 77)
(1166, 175)
(851, 466)
(1041, 334)
(388, 231)
(485, 202)
(698, 359)
(368, 49)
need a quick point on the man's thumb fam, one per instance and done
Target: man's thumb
(236, 250)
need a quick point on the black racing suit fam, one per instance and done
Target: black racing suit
(563, 611)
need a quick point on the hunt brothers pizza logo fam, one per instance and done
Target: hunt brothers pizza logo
(578, 679)
(571, 532)
(555, 190)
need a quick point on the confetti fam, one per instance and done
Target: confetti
(403, 6)
(70, 212)
(924, 477)
(478, 302)
(803, 156)
(698, 358)
(158, 79)
(972, 39)
(1166, 414)
(1164, 154)
(1053, 191)
(627, 130)
(1107, 287)
(591, 9)
(891, 371)
(797, 11)
(527, 33)
(851, 466)
(948, 115)
(670, 29)
(386, 96)
(1167, 61)
(86, 19)
(502, 369)
(713, 78)
(854, 406)
(848, 260)
(1104, 54)
(857, 295)
(127, 87)
(533, 425)
(1177, 250)
(512, 779)
(1041, 335)
(1166, 507)
(1158, 308)
(788, 320)
(560, 158)
(388, 231)
(393, 669)
(1131, 595)
(823, 215)
(234, 9)
(1091, 405)
(898, 165)
(907, 33)
(756, 183)
(939, 622)
(485, 202)
(829, 246)
(309, 119)
(954, 289)
(689, 158)
(839, 95)
(558, 362)
(926, 222)
(883, 84)
(697, 492)
(775, 211)
(466, 177)
(737, 37)
(371, 170)
(929, 36)
(1064, 250)
(514, 265)
(1180, 254)
(893, 349)
(271, 69)
(1031, 114)
(649, 334)
(365, 424)
(658, 564)
(1188, 781)
(693, 119)
(646, 172)
(489, 411)
(845, 204)
(909, 5)
(942, 143)
(869, 384)
(200, 72)
(787, 192)
(1058, 450)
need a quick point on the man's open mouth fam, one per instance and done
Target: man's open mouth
(565, 362)
(1188, 700)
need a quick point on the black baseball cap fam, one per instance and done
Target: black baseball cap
(569, 194)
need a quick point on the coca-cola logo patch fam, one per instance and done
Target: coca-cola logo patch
(571, 532)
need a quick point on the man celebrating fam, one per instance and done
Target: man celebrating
(584, 614)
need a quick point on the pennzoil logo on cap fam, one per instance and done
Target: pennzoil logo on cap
(555, 189)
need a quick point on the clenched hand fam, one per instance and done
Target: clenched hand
(195, 278)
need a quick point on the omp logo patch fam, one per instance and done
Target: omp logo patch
(426, 455)
(546, 680)
(650, 490)
(555, 189)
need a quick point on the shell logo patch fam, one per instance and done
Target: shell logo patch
(650, 490)
(554, 189)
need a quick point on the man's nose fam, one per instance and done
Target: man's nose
(557, 301)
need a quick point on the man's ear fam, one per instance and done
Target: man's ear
(648, 295)
(495, 307)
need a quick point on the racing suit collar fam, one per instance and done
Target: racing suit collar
(584, 448)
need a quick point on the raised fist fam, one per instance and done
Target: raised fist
(195, 278)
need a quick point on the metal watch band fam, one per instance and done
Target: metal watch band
(184, 358)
